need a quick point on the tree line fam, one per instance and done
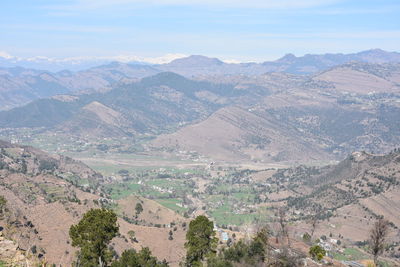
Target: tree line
(98, 227)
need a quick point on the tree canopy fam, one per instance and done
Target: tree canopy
(247, 253)
(138, 208)
(92, 235)
(200, 241)
(317, 252)
(378, 237)
(143, 258)
(3, 203)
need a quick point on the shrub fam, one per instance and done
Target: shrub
(317, 252)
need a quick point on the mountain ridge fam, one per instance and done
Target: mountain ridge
(19, 86)
(349, 107)
(374, 55)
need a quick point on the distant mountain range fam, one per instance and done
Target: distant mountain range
(198, 64)
(78, 63)
(268, 117)
(308, 64)
(19, 85)
(350, 107)
(152, 104)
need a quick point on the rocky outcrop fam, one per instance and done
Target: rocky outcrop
(11, 254)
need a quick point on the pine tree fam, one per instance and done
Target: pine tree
(201, 241)
(92, 235)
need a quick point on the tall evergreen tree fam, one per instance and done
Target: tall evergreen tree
(200, 241)
(92, 235)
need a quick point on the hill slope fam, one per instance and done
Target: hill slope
(351, 107)
(234, 134)
(363, 78)
(46, 194)
(324, 118)
(154, 104)
(19, 86)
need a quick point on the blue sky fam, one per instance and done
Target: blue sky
(246, 30)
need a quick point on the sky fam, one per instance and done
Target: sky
(236, 30)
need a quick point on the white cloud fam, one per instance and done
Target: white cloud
(131, 58)
(5, 55)
(77, 60)
(231, 61)
(163, 59)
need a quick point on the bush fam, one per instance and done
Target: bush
(3, 203)
(137, 259)
(47, 165)
(138, 208)
(306, 238)
(317, 252)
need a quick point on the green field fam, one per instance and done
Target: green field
(122, 190)
(170, 203)
(224, 215)
(350, 254)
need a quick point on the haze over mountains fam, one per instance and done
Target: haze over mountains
(78, 63)
(304, 64)
(353, 106)
(208, 133)
(19, 86)
(200, 136)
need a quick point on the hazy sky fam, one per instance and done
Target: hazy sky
(229, 29)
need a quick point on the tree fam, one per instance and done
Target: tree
(143, 258)
(200, 241)
(3, 203)
(138, 208)
(317, 252)
(131, 233)
(218, 262)
(132, 236)
(286, 258)
(283, 225)
(92, 235)
(378, 236)
(253, 252)
(314, 225)
(47, 165)
(307, 238)
(259, 245)
(238, 252)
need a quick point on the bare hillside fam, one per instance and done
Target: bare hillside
(234, 133)
(47, 194)
(362, 78)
